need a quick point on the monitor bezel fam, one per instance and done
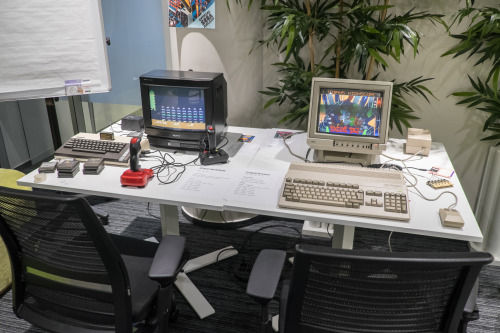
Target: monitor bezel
(348, 84)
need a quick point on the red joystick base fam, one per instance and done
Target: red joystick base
(137, 178)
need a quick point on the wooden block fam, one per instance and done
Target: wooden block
(417, 137)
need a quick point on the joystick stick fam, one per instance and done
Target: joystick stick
(136, 176)
(212, 155)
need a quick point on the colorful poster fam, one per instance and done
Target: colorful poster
(192, 14)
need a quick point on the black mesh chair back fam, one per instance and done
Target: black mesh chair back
(67, 273)
(365, 291)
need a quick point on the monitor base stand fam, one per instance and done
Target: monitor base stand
(343, 157)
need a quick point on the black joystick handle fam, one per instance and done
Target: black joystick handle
(135, 147)
(211, 139)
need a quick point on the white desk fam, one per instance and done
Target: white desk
(212, 188)
(424, 216)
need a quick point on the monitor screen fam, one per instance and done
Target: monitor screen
(349, 112)
(177, 108)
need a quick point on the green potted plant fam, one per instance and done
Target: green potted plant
(342, 39)
(481, 39)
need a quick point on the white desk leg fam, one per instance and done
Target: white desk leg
(169, 219)
(199, 303)
(343, 237)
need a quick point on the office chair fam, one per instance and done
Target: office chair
(8, 178)
(69, 275)
(347, 291)
(102, 215)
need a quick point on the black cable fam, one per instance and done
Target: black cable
(203, 216)
(307, 154)
(227, 141)
(222, 251)
(328, 231)
(158, 217)
(222, 217)
(249, 237)
(171, 167)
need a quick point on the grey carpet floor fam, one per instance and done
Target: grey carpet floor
(235, 312)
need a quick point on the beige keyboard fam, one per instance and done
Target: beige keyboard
(351, 190)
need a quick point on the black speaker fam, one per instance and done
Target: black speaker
(133, 123)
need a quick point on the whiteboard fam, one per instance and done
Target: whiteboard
(51, 48)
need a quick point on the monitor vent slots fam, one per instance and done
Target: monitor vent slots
(346, 170)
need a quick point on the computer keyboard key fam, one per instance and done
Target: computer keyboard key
(322, 202)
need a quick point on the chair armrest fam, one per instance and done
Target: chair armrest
(265, 275)
(167, 259)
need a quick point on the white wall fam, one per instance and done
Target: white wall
(226, 49)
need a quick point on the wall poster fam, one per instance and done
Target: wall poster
(191, 14)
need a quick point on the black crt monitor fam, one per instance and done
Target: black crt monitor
(348, 119)
(178, 106)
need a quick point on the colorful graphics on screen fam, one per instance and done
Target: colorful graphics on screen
(177, 108)
(349, 112)
(191, 14)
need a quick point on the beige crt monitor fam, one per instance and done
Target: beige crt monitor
(348, 119)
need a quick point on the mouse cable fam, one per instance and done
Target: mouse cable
(434, 199)
(426, 198)
(399, 159)
(414, 185)
(419, 169)
(404, 165)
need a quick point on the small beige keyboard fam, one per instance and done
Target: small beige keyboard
(351, 190)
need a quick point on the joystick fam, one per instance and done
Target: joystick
(212, 155)
(135, 176)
